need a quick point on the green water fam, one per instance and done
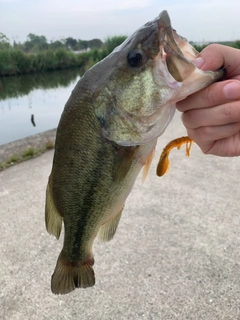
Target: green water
(30, 104)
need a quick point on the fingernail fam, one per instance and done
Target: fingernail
(199, 62)
(231, 90)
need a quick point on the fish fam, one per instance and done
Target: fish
(107, 133)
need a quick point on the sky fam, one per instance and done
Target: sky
(196, 20)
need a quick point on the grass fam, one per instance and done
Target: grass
(27, 154)
(15, 62)
(13, 159)
(49, 145)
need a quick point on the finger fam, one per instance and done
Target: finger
(216, 56)
(214, 116)
(228, 147)
(216, 94)
(206, 136)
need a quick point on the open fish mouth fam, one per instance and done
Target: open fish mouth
(172, 47)
(160, 64)
(172, 66)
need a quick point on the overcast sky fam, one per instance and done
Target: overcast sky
(196, 20)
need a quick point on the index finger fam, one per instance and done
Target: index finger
(209, 97)
(216, 56)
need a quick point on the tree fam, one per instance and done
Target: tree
(4, 41)
(95, 43)
(71, 43)
(56, 45)
(35, 43)
(82, 44)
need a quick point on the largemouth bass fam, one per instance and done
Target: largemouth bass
(107, 132)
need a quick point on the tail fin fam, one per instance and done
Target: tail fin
(68, 276)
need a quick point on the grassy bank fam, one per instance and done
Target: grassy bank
(25, 155)
(27, 148)
(38, 56)
(14, 61)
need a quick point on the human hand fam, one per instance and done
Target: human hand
(212, 115)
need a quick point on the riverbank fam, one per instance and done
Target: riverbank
(24, 149)
(16, 61)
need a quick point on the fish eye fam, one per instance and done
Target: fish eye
(136, 58)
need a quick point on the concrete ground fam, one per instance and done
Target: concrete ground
(176, 253)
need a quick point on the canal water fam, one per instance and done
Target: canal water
(31, 104)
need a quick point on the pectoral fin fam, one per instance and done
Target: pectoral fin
(107, 231)
(147, 165)
(53, 220)
(124, 159)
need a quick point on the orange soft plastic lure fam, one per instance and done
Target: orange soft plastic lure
(164, 163)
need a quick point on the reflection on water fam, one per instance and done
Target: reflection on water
(31, 104)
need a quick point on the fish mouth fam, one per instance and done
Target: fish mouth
(174, 49)
(172, 78)
(173, 63)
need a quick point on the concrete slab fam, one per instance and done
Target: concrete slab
(175, 255)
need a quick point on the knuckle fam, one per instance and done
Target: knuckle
(210, 96)
(227, 112)
(190, 119)
(205, 132)
(231, 112)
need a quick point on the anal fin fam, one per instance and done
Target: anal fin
(107, 231)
